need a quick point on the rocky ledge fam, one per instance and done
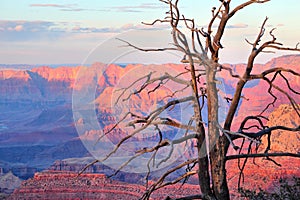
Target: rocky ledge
(68, 185)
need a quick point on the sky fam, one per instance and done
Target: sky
(65, 31)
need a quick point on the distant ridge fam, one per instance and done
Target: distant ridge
(123, 65)
(31, 66)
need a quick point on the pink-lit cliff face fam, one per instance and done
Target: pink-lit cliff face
(67, 185)
(50, 82)
(45, 85)
(36, 109)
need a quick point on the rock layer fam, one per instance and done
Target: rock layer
(68, 185)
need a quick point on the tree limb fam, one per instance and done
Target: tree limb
(259, 155)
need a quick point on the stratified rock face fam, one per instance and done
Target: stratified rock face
(56, 84)
(9, 182)
(261, 174)
(38, 101)
(281, 140)
(36, 111)
(68, 185)
(255, 95)
(38, 84)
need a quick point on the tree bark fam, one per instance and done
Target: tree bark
(218, 144)
(218, 169)
(203, 163)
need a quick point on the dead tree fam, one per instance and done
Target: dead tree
(201, 57)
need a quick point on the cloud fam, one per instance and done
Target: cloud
(22, 25)
(150, 5)
(54, 5)
(66, 7)
(125, 27)
(21, 30)
(26, 31)
(128, 26)
(240, 25)
(74, 7)
(161, 26)
(13, 28)
(80, 29)
(18, 28)
(82, 9)
(230, 26)
(139, 8)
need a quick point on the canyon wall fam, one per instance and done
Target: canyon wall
(68, 185)
(36, 121)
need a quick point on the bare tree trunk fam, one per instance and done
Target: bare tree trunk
(203, 163)
(203, 174)
(217, 158)
(218, 144)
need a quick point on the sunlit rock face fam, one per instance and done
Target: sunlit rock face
(281, 140)
(68, 185)
(37, 126)
(256, 96)
(261, 173)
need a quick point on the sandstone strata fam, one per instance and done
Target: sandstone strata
(68, 185)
